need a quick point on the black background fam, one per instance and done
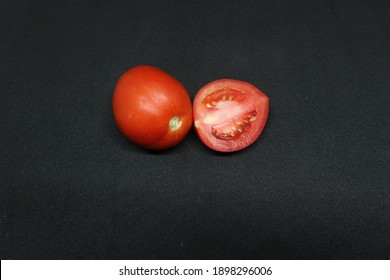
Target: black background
(314, 186)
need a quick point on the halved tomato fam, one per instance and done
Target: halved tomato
(229, 115)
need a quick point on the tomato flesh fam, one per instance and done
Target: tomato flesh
(229, 115)
(151, 108)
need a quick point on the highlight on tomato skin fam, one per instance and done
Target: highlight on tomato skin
(229, 115)
(151, 108)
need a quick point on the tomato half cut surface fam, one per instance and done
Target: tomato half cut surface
(229, 115)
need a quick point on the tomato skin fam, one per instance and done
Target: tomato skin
(151, 108)
(229, 115)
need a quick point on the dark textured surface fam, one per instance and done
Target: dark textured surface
(315, 185)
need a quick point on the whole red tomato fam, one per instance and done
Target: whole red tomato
(229, 115)
(151, 108)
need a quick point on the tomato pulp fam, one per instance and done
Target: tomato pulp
(151, 108)
(229, 115)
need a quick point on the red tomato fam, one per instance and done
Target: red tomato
(151, 108)
(229, 115)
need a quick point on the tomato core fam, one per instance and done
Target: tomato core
(226, 118)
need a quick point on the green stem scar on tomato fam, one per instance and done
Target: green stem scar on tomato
(151, 108)
(229, 115)
(175, 123)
